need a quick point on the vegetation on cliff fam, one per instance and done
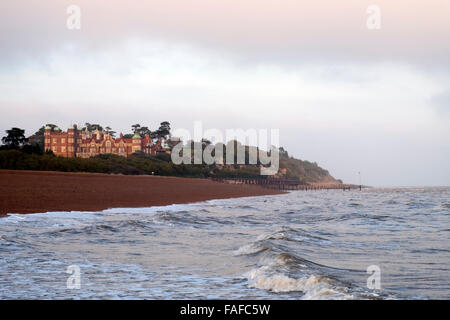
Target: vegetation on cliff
(20, 153)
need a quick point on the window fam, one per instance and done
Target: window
(70, 140)
(63, 149)
(63, 140)
(54, 149)
(54, 140)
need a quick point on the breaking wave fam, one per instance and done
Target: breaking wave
(284, 272)
(300, 245)
(310, 287)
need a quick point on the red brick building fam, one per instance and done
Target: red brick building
(85, 144)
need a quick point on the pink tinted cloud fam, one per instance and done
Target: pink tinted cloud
(292, 29)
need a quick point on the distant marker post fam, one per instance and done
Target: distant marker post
(360, 184)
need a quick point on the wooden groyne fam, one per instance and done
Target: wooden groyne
(286, 184)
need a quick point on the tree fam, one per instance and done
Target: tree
(92, 127)
(88, 126)
(164, 129)
(41, 130)
(154, 134)
(38, 137)
(96, 126)
(283, 152)
(15, 137)
(31, 148)
(110, 131)
(143, 131)
(135, 127)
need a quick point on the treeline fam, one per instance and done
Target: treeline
(135, 164)
(161, 164)
(21, 153)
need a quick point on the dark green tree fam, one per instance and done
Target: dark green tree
(164, 129)
(143, 131)
(38, 137)
(96, 126)
(108, 130)
(87, 126)
(135, 127)
(15, 137)
(92, 127)
(41, 130)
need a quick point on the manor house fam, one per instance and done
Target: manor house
(84, 144)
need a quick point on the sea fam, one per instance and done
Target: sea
(378, 243)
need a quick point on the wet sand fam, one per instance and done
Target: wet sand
(44, 191)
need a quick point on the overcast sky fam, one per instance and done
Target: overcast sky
(348, 97)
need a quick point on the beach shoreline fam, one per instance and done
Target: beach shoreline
(23, 191)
